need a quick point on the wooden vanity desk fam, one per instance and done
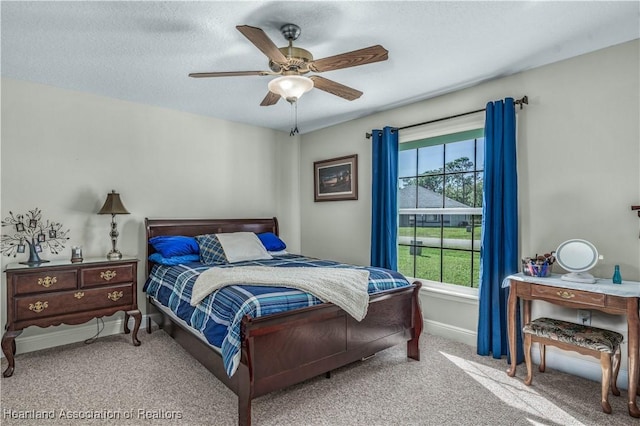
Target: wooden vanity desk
(616, 299)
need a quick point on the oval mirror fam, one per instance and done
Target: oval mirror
(577, 257)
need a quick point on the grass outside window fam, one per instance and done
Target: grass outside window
(457, 265)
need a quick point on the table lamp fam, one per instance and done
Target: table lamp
(113, 206)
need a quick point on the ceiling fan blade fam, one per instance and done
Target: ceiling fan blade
(334, 88)
(270, 99)
(226, 74)
(260, 39)
(364, 56)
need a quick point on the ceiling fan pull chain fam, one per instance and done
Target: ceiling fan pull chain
(294, 130)
(292, 120)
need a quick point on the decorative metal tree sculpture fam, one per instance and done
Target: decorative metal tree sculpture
(32, 231)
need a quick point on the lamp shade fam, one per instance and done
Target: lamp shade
(113, 205)
(291, 87)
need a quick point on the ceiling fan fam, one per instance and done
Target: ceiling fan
(291, 63)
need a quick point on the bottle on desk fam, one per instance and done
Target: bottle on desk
(617, 278)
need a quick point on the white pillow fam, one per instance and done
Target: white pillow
(242, 246)
(278, 253)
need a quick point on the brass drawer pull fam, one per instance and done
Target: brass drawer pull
(47, 281)
(79, 295)
(38, 306)
(566, 294)
(108, 275)
(114, 295)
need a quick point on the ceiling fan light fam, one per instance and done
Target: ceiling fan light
(291, 87)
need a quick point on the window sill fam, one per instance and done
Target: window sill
(448, 290)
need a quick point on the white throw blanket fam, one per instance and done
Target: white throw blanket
(346, 288)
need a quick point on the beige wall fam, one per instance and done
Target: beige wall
(63, 151)
(578, 169)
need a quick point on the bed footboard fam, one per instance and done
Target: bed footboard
(284, 349)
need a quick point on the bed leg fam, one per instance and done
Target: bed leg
(327, 374)
(413, 349)
(413, 345)
(244, 396)
(148, 315)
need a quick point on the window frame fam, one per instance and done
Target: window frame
(474, 130)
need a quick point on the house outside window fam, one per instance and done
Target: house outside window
(440, 207)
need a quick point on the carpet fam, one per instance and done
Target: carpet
(158, 383)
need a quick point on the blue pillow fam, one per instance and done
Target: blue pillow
(211, 251)
(174, 260)
(174, 245)
(271, 242)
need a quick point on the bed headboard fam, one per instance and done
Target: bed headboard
(193, 227)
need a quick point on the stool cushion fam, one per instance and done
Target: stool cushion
(585, 336)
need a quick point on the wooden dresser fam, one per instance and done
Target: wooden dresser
(60, 292)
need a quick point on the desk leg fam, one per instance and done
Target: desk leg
(633, 331)
(9, 350)
(137, 316)
(511, 326)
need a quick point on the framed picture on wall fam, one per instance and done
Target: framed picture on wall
(336, 179)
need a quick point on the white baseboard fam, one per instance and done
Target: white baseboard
(74, 334)
(451, 332)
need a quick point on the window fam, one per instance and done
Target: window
(440, 207)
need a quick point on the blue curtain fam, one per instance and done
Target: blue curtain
(384, 198)
(499, 251)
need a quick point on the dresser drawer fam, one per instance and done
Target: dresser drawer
(103, 275)
(574, 296)
(39, 282)
(69, 302)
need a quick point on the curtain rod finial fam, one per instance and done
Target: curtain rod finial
(522, 101)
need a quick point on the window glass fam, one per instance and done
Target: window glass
(428, 263)
(460, 156)
(407, 163)
(456, 267)
(430, 190)
(480, 154)
(430, 159)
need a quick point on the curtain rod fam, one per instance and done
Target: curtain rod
(524, 100)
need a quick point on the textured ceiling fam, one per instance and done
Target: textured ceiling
(143, 51)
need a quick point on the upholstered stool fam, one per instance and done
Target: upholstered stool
(597, 342)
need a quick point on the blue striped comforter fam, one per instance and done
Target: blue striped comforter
(218, 317)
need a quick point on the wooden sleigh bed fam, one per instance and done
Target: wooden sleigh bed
(283, 349)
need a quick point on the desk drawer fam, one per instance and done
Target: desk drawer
(69, 302)
(573, 296)
(40, 282)
(105, 275)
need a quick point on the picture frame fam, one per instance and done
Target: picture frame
(42, 238)
(33, 223)
(52, 233)
(21, 248)
(19, 227)
(336, 179)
